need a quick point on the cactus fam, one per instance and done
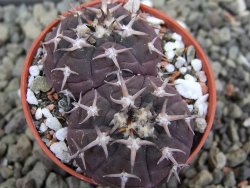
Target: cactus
(126, 126)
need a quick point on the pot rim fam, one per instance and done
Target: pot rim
(170, 23)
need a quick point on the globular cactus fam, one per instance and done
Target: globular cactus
(127, 127)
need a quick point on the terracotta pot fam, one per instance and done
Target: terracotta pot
(170, 23)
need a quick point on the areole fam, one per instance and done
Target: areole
(171, 24)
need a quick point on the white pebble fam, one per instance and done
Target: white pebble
(190, 107)
(188, 89)
(147, 2)
(180, 62)
(170, 68)
(46, 113)
(179, 45)
(202, 76)
(30, 80)
(183, 70)
(201, 105)
(31, 98)
(196, 64)
(201, 125)
(169, 46)
(43, 128)
(190, 78)
(38, 114)
(170, 55)
(53, 123)
(153, 20)
(176, 36)
(189, 68)
(61, 134)
(40, 67)
(34, 70)
(61, 151)
(246, 123)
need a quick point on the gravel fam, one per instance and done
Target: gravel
(222, 27)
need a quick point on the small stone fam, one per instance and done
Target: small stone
(188, 89)
(243, 173)
(6, 172)
(18, 67)
(53, 123)
(201, 76)
(3, 148)
(196, 64)
(63, 6)
(246, 123)
(40, 84)
(8, 183)
(5, 106)
(155, 21)
(236, 157)
(189, 172)
(176, 36)
(179, 45)
(201, 125)
(170, 55)
(3, 84)
(217, 176)
(170, 68)
(216, 66)
(43, 128)
(20, 151)
(61, 134)
(17, 124)
(180, 62)
(169, 46)
(32, 29)
(183, 70)
(233, 52)
(246, 147)
(61, 151)
(38, 114)
(39, 11)
(6, 68)
(10, 13)
(34, 70)
(233, 132)
(235, 111)
(4, 30)
(17, 172)
(225, 35)
(9, 139)
(190, 78)
(229, 179)
(38, 174)
(203, 178)
(31, 98)
(55, 181)
(29, 163)
(47, 18)
(72, 182)
(30, 80)
(46, 113)
(191, 107)
(220, 160)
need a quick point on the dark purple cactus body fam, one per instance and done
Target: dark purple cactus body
(127, 127)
